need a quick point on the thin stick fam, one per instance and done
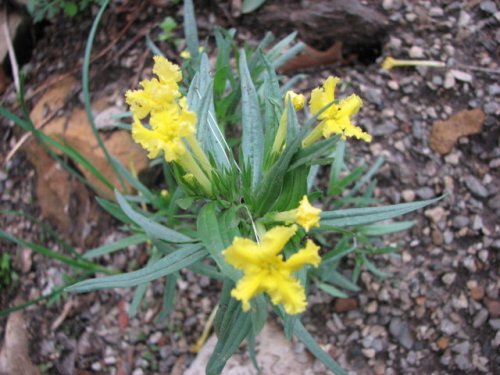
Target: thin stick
(10, 49)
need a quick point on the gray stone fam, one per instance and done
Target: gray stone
(436, 12)
(495, 324)
(449, 278)
(488, 7)
(491, 108)
(494, 202)
(463, 362)
(401, 331)
(494, 89)
(462, 348)
(460, 221)
(448, 327)
(425, 193)
(480, 318)
(475, 186)
(416, 52)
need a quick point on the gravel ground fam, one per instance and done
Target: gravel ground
(439, 311)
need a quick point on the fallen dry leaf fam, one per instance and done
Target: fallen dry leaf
(65, 201)
(444, 134)
(14, 354)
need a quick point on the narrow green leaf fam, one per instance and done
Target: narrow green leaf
(181, 258)
(249, 6)
(359, 216)
(168, 297)
(141, 289)
(86, 89)
(216, 231)
(316, 350)
(331, 290)
(152, 228)
(190, 29)
(252, 139)
(237, 326)
(114, 246)
(258, 313)
(75, 263)
(386, 228)
(368, 175)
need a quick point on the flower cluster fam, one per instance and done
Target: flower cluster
(172, 131)
(172, 127)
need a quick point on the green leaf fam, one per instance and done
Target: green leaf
(235, 325)
(152, 228)
(168, 297)
(258, 313)
(141, 289)
(306, 338)
(368, 175)
(75, 263)
(70, 8)
(249, 6)
(252, 139)
(190, 29)
(181, 258)
(216, 231)
(360, 216)
(86, 90)
(386, 228)
(201, 100)
(114, 246)
(331, 290)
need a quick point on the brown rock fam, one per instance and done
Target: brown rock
(444, 134)
(493, 307)
(443, 342)
(345, 304)
(477, 294)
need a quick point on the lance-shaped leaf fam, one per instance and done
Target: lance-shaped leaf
(181, 258)
(252, 139)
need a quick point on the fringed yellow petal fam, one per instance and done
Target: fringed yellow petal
(248, 287)
(275, 240)
(287, 291)
(166, 71)
(307, 215)
(322, 96)
(242, 254)
(146, 138)
(307, 255)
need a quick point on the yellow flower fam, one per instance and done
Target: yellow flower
(185, 54)
(388, 63)
(171, 125)
(305, 215)
(298, 100)
(157, 94)
(266, 271)
(336, 118)
(168, 127)
(297, 103)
